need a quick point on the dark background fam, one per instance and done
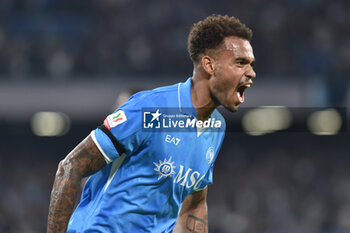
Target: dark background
(76, 57)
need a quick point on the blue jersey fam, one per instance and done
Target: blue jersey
(149, 173)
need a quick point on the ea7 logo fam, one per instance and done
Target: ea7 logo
(172, 140)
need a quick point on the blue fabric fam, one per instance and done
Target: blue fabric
(158, 171)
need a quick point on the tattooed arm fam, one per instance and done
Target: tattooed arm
(194, 214)
(84, 160)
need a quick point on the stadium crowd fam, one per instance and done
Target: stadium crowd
(291, 185)
(65, 39)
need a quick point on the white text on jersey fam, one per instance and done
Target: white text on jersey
(172, 140)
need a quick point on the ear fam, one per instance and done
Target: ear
(208, 64)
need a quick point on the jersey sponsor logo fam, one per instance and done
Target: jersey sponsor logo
(188, 178)
(164, 168)
(210, 154)
(115, 119)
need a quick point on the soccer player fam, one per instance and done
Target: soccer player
(147, 181)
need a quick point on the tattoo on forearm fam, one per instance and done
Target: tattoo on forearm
(195, 224)
(83, 160)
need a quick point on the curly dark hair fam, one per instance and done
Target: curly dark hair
(210, 33)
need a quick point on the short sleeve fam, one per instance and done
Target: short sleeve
(120, 133)
(205, 181)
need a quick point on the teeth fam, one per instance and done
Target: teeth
(248, 85)
(239, 94)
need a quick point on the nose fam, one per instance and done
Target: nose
(250, 73)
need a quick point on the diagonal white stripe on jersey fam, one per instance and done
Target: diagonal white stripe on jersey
(115, 166)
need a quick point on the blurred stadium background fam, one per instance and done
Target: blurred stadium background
(64, 63)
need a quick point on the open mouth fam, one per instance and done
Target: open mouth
(240, 92)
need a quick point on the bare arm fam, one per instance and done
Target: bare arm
(194, 214)
(84, 160)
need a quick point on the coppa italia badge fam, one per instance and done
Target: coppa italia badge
(115, 119)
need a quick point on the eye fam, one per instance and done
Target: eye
(241, 61)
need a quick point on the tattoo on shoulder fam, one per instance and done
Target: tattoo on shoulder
(91, 147)
(93, 156)
(195, 224)
(85, 159)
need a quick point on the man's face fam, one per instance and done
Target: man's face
(233, 72)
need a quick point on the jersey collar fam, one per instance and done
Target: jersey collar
(185, 99)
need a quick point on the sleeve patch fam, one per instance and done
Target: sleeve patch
(115, 119)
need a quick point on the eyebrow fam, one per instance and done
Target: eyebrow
(246, 61)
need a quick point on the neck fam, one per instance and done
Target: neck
(201, 97)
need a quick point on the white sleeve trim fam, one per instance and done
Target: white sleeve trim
(200, 189)
(107, 159)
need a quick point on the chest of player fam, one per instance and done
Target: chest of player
(183, 158)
